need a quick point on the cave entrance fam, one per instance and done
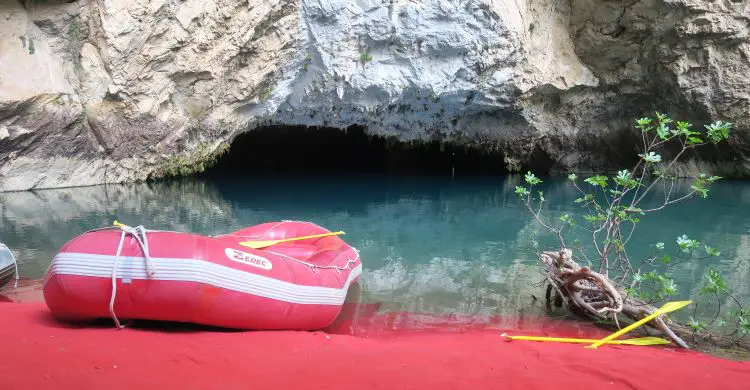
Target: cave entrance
(330, 151)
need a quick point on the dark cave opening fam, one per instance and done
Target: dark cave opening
(330, 151)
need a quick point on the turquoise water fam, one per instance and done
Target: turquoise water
(428, 244)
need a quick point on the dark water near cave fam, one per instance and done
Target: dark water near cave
(428, 244)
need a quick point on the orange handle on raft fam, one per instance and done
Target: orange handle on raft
(265, 243)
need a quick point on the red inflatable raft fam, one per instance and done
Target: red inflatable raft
(134, 273)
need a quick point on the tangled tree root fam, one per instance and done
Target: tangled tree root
(592, 295)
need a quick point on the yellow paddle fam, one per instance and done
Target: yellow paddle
(636, 341)
(668, 307)
(265, 243)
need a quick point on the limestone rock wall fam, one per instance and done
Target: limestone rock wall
(95, 91)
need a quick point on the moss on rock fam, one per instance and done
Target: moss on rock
(196, 160)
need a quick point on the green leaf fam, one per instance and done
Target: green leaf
(653, 276)
(637, 210)
(624, 179)
(711, 251)
(662, 118)
(702, 191)
(620, 213)
(662, 131)
(634, 293)
(594, 218)
(598, 180)
(585, 198)
(531, 179)
(696, 326)
(714, 283)
(572, 177)
(650, 157)
(521, 191)
(663, 285)
(686, 244)
(718, 131)
(683, 127)
(744, 325)
(644, 124)
(670, 287)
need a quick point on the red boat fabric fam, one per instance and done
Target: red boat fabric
(186, 277)
(40, 353)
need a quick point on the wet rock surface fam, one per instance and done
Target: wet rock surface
(113, 91)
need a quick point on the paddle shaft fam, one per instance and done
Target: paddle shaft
(264, 243)
(636, 341)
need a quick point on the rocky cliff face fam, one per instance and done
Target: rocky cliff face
(112, 90)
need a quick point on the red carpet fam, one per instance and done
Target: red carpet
(38, 353)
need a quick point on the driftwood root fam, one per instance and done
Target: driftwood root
(594, 296)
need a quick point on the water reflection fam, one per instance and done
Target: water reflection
(428, 245)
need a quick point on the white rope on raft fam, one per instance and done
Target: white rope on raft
(139, 233)
(315, 266)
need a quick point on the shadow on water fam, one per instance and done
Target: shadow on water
(429, 244)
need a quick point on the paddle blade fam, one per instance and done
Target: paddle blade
(259, 244)
(672, 306)
(668, 307)
(644, 341)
